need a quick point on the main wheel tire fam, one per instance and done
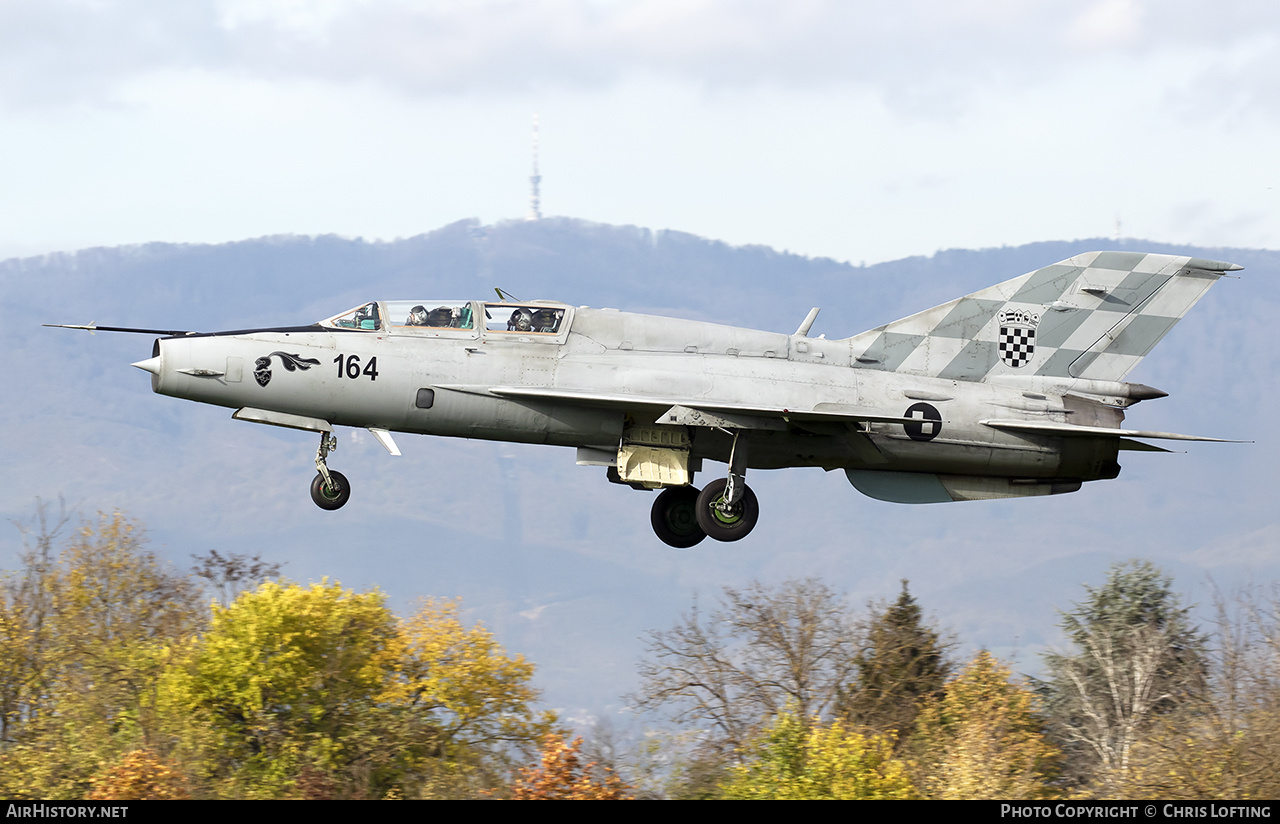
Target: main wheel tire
(727, 526)
(674, 517)
(327, 497)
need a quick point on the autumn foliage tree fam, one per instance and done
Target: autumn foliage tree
(983, 738)
(792, 760)
(284, 677)
(320, 690)
(476, 696)
(561, 776)
(86, 630)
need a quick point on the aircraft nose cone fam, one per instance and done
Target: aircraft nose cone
(151, 365)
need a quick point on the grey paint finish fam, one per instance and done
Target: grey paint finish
(976, 398)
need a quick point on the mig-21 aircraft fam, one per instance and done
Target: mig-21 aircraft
(1015, 390)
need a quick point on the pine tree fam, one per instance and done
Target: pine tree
(900, 661)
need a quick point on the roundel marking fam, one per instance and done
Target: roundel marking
(927, 427)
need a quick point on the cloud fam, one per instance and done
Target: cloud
(59, 51)
(1106, 23)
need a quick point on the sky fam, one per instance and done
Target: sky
(853, 130)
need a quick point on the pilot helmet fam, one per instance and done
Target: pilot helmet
(524, 320)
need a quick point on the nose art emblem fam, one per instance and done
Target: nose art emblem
(291, 363)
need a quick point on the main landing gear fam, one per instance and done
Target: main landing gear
(674, 517)
(330, 489)
(726, 509)
(682, 516)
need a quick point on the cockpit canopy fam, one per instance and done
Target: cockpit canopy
(427, 316)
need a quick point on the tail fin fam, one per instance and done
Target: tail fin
(1093, 316)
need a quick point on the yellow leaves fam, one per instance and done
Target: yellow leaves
(288, 690)
(561, 776)
(793, 761)
(280, 644)
(289, 657)
(323, 682)
(983, 739)
(461, 674)
(139, 776)
(833, 752)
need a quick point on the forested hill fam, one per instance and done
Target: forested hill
(294, 278)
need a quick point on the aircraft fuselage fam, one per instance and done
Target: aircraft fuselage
(1016, 390)
(377, 379)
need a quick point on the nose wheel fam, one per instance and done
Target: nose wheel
(331, 494)
(330, 489)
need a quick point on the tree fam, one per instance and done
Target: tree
(982, 738)
(763, 651)
(1136, 656)
(286, 676)
(1225, 746)
(900, 661)
(86, 634)
(321, 692)
(229, 575)
(792, 761)
(26, 624)
(460, 689)
(561, 776)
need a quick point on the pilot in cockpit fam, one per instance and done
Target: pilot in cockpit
(366, 316)
(547, 320)
(521, 321)
(442, 316)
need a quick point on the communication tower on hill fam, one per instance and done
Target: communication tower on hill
(535, 180)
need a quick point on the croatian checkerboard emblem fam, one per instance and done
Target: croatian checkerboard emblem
(1017, 337)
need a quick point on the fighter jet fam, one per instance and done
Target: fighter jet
(1014, 391)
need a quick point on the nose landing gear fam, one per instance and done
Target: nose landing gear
(333, 493)
(330, 489)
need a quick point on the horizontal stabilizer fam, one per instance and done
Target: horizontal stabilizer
(1067, 430)
(1140, 446)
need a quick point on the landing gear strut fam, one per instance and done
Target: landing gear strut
(330, 489)
(727, 509)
